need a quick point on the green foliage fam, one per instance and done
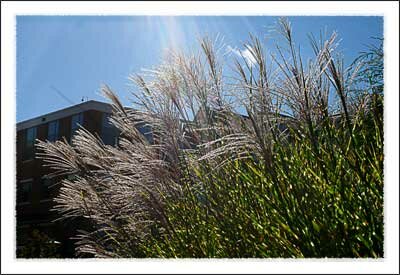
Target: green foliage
(327, 203)
(371, 71)
(321, 197)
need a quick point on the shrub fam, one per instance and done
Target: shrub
(39, 245)
(299, 175)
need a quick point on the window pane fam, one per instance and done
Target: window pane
(46, 188)
(53, 130)
(31, 134)
(75, 122)
(106, 121)
(29, 143)
(145, 130)
(24, 191)
(109, 132)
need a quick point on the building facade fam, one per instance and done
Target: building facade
(35, 191)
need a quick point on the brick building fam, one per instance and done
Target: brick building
(35, 191)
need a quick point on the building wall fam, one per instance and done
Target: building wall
(36, 213)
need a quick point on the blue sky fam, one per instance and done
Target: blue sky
(76, 54)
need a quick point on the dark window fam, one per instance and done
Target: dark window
(71, 177)
(29, 151)
(76, 121)
(45, 191)
(109, 133)
(145, 130)
(24, 191)
(53, 131)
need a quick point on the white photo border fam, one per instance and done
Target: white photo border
(390, 262)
